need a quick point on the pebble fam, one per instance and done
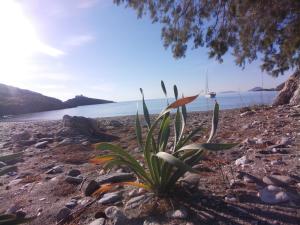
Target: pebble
(74, 180)
(55, 169)
(42, 144)
(63, 214)
(273, 194)
(66, 141)
(20, 214)
(2, 164)
(100, 221)
(151, 221)
(112, 197)
(242, 161)
(230, 199)
(74, 173)
(91, 187)
(136, 201)
(177, 214)
(116, 215)
(72, 204)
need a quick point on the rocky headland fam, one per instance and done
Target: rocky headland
(14, 101)
(258, 182)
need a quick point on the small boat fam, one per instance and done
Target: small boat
(209, 94)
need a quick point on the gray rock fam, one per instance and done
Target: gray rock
(74, 173)
(112, 197)
(87, 127)
(66, 141)
(177, 214)
(74, 180)
(42, 144)
(49, 140)
(91, 187)
(114, 177)
(2, 164)
(272, 195)
(116, 215)
(20, 214)
(100, 221)
(55, 170)
(115, 123)
(151, 221)
(22, 136)
(72, 204)
(63, 214)
(137, 201)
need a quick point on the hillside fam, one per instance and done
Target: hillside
(82, 100)
(15, 101)
(18, 101)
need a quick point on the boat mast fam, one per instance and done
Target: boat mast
(206, 88)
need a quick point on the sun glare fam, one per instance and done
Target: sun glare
(18, 42)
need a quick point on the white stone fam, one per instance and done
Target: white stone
(241, 161)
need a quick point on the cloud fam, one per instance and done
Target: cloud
(85, 4)
(80, 40)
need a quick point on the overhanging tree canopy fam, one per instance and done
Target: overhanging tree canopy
(246, 28)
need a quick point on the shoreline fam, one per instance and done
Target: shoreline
(11, 120)
(202, 104)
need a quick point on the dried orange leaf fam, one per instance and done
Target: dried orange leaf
(101, 159)
(107, 187)
(182, 101)
(103, 189)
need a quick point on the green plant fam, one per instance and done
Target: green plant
(11, 219)
(163, 166)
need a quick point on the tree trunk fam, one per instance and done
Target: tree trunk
(290, 94)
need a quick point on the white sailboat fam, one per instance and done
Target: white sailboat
(209, 94)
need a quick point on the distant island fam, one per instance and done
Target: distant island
(262, 89)
(227, 92)
(14, 101)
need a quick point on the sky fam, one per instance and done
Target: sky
(63, 48)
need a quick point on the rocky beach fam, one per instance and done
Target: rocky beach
(48, 174)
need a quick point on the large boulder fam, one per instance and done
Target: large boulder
(290, 93)
(78, 125)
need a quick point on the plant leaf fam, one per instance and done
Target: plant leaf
(163, 87)
(175, 162)
(182, 101)
(175, 92)
(145, 109)
(138, 131)
(215, 120)
(6, 158)
(6, 169)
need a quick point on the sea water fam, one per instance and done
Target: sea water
(226, 101)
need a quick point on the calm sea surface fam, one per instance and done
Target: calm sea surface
(226, 101)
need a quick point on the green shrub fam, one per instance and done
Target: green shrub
(163, 166)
